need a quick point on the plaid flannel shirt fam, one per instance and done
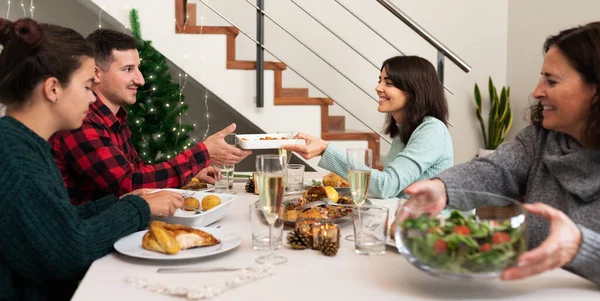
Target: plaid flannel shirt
(99, 159)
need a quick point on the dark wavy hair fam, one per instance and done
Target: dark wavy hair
(581, 46)
(107, 40)
(425, 94)
(34, 52)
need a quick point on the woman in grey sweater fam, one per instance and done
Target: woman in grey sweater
(553, 164)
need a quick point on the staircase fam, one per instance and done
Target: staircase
(332, 127)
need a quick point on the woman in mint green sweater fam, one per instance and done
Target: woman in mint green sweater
(47, 244)
(413, 99)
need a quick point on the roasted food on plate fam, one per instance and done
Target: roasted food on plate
(195, 184)
(315, 193)
(191, 203)
(171, 238)
(292, 210)
(210, 201)
(335, 180)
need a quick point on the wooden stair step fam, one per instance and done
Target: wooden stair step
(337, 123)
(302, 101)
(195, 29)
(251, 65)
(294, 92)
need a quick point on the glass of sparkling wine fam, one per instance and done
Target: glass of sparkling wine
(359, 176)
(270, 170)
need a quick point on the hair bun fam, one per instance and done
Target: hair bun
(5, 26)
(29, 32)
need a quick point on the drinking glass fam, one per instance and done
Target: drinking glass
(283, 152)
(225, 183)
(370, 229)
(295, 178)
(261, 237)
(270, 170)
(359, 176)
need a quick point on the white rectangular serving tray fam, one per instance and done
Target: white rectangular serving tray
(253, 141)
(190, 218)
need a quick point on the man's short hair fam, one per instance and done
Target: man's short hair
(105, 41)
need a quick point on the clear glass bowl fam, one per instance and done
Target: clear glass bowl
(464, 244)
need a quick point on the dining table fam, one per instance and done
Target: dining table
(310, 275)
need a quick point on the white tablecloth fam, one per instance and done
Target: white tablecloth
(309, 275)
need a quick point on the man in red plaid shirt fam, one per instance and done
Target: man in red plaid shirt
(99, 158)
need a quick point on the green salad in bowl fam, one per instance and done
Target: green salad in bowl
(473, 244)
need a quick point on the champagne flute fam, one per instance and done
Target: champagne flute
(270, 170)
(359, 176)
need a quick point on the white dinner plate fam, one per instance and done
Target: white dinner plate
(131, 245)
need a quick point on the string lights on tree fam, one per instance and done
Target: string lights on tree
(159, 135)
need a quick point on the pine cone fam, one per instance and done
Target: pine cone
(328, 247)
(298, 241)
(250, 186)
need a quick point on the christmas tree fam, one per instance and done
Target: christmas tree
(155, 118)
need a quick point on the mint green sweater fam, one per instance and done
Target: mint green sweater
(47, 244)
(428, 152)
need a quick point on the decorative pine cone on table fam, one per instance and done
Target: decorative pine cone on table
(298, 241)
(328, 247)
(250, 186)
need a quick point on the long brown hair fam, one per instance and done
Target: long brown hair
(425, 94)
(581, 46)
(34, 52)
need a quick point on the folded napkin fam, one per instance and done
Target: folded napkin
(196, 292)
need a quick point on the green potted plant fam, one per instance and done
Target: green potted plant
(500, 117)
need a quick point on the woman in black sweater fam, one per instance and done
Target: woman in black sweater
(47, 245)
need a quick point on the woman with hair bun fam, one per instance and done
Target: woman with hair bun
(47, 245)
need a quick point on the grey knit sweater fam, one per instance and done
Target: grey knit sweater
(542, 166)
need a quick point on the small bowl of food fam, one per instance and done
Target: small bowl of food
(476, 242)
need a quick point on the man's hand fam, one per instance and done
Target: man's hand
(220, 152)
(209, 175)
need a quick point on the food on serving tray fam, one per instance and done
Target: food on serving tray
(332, 194)
(462, 244)
(291, 215)
(171, 238)
(191, 203)
(345, 200)
(311, 213)
(210, 201)
(393, 230)
(315, 193)
(195, 184)
(335, 180)
(273, 138)
(292, 210)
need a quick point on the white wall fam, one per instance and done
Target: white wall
(530, 23)
(50, 11)
(475, 30)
